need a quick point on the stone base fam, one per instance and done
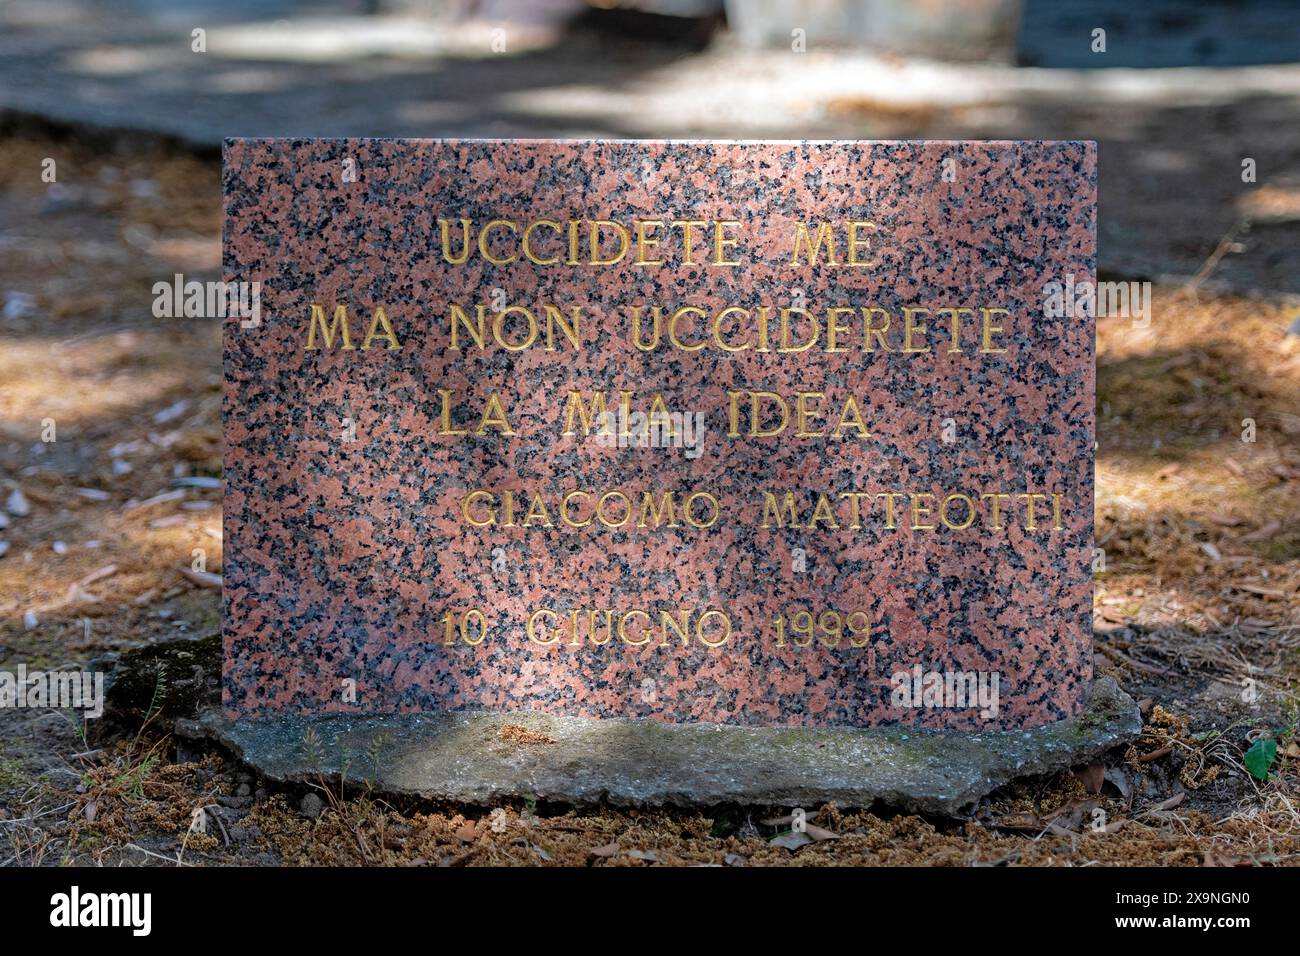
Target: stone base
(465, 759)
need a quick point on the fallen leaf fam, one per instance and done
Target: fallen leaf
(106, 571)
(468, 832)
(1071, 815)
(820, 833)
(1119, 779)
(1113, 615)
(1155, 755)
(1263, 531)
(1092, 776)
(1212, 860)
(1256, 589)
(1259, 758)
(206, 578)
(1172, 802)
(1019, 821)
(790, 841)
(17, 504)
(159, 499)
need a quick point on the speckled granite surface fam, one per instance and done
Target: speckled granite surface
(343, 556)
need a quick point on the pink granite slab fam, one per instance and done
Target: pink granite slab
(342, 557)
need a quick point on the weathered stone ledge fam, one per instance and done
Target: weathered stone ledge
(463, 758)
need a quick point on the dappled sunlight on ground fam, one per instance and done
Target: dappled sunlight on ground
(1199, 532)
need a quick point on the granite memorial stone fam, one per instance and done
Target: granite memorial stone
(766, 434)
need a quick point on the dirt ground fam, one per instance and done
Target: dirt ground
(1197, 608)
